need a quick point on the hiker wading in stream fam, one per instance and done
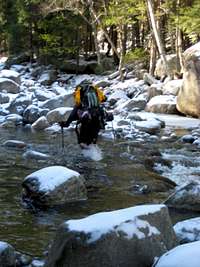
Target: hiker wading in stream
(88, 112)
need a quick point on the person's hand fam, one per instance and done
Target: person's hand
(63, 124)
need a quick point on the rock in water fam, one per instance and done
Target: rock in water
(54, 185)
(126, 237)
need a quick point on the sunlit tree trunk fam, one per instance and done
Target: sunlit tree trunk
(157, 36)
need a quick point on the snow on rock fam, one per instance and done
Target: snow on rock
(162, 104)
(188, 230)
(14, 144)
(150, 126)
(116, 238)
(54, 185)
(58, 114)
(31, 154)
(186, 255)
(7, 255)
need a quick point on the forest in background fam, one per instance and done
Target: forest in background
(48, 31)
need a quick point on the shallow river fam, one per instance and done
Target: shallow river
(108, 183)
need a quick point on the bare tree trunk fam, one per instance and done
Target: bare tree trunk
(96, 43)
(122, 51)
(157, 36)
(152, 64)
(179, 42)
(97, 20)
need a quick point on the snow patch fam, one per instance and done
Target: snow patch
(119, 220)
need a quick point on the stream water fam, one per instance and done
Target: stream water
(108, 182)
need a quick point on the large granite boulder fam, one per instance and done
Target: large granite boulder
(127, 237)
(186, 197)
(7, 255)
(186, 255)
(54, 185)
(188, 99)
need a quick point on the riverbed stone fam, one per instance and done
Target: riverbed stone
(54, 185)
(15, 144)
(186, 197)
(126, 237)
(7, 255)
(40, 124)
(9, 85)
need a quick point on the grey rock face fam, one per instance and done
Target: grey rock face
(113, 239)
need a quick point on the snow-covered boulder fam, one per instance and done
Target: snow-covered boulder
(162, 104)
(40, 124)
(186, 197)
(9, 85)
(11, 74)
(151, 126)
(59, 101)
(117, 95)
(172, 87)
(20, 103)
(134, 104)
(186, 255)
(188, 230)
(43, 95)
(58, 114)
(7, 255)
(48, 77)
(126, 237)
(53, 186)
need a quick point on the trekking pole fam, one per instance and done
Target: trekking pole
(113, 131)
(62, 138)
